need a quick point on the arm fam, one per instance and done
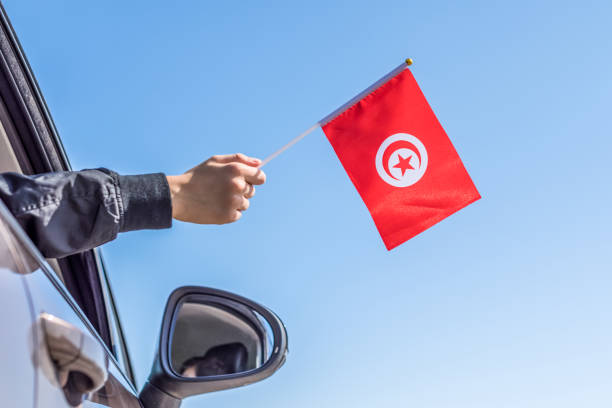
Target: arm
(69, 212)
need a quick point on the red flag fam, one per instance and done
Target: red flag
(401, 161)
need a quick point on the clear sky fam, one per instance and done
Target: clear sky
(506, 303)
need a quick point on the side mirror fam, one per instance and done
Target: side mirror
(212, 340)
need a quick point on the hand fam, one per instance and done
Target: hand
(216, 191)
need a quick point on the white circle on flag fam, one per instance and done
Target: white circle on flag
(401, 160)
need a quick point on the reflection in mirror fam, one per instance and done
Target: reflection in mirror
(217, 336)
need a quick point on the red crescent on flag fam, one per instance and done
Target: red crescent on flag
(400, 144)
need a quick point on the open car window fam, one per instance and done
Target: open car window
(30, 144)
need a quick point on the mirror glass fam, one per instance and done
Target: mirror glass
(217, 336)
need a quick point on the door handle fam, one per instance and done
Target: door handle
(69, 358)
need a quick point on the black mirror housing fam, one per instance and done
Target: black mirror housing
(166, 387)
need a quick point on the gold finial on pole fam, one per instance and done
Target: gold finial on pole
(408, 61)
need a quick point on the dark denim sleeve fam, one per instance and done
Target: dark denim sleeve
(69, 212)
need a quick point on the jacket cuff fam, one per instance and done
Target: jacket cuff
(146, 202)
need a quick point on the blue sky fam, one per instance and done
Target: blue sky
(507, 303)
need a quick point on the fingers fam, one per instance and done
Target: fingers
(252, 175)
(234, 216)
(236, 157)
(239, 204)
(240, 199)
(249, 190)
(244, 204)
(242, 165)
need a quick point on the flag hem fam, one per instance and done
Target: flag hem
(435, 220)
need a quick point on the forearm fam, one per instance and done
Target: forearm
(69, 212)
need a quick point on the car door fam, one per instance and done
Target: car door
(50, 339)
(17, 373)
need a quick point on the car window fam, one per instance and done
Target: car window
(78, 273)
(30, 144)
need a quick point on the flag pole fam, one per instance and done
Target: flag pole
(407, 62)
(288, 145)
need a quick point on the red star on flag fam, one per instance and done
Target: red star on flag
(404, 164)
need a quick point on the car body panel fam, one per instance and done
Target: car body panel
(17, 374)
(35, 290)
(117, 391)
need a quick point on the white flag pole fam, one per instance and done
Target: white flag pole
(341, 109)
(288, 145)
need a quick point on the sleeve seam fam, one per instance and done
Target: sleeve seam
(52, 201)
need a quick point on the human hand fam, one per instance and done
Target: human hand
(216, 191)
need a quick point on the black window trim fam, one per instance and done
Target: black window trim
(39, 149)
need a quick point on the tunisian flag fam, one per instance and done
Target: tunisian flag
(399, 158)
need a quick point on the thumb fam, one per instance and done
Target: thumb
(237, 157)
